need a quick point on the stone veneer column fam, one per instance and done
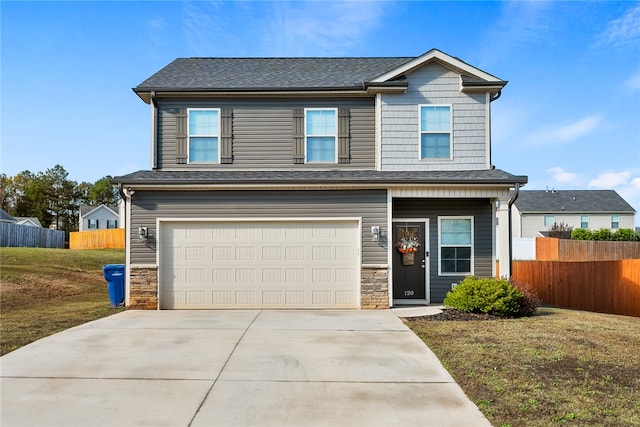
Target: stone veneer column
(143, 287)
(374, 287)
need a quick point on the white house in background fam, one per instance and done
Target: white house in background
(100, 217)
(28, 221)
(535, 211)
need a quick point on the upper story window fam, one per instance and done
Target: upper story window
(455, 236)
(92, 224)
(549, 220)
(615, 221)
(321, 135)
(435, 132)
(584, 221)
(112, 223)
(204, 135)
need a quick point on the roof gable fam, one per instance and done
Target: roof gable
(86, 211)
(472, 73)
(577, 201)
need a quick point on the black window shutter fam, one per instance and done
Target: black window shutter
(298, 135)
(226, 135)
(343, 135)
(181, 136)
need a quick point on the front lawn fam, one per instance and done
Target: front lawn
(559, 367)
(44, 291)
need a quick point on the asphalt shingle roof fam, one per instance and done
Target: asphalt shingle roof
(491, 176)
(268, 73)
(543, 201)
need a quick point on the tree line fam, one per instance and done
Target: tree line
(52, 197)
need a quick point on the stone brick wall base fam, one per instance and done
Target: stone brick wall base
(143, 289)
(374, 288)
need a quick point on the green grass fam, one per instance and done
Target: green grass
(44, 291)
(559, 367)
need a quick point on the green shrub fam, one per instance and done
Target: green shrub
(581, 234)
(604, 234)
(491, 296)
(625, 235)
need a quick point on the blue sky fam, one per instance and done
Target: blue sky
(569, 117)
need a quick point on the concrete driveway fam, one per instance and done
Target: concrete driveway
(233, 368)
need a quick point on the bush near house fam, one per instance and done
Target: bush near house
(604, 234)
(497, 297)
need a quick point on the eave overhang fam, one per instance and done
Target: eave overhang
(157, 180)
(364, 90)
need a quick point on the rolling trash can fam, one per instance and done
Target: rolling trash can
(114, 275)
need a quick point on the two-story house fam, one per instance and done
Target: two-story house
(314, 183)
(99, 217)
(535, 211)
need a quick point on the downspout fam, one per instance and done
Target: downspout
(126, 197)
(511, 202)
(154, 131)
(491, 99)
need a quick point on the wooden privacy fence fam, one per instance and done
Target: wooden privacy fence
(97, 239)
(16, 235)
(551, 249)
(601, 286)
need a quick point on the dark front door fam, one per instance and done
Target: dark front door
(410, 261)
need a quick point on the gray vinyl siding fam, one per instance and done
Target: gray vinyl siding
(400, 126)
(481, 211)
(262, 132)
(147, 206)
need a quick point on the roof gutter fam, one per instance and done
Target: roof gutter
(512, 200)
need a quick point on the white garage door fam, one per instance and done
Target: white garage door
(267, 264)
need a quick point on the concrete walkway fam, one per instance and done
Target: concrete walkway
(233, 368)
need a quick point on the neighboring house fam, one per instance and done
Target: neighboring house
(288, 183)
(99, 217)
(5, 217)
(29, 221)
(535, 211)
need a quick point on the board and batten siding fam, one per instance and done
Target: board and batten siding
(263, 132)
(400, 122)
(480, 209)
(148, 206)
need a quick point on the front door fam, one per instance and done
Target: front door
(410, 261)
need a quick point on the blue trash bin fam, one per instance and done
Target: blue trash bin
(114, 275)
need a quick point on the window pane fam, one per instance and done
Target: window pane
(584, 221)
(549, 220)
(435, 146)
(203, 149)
(321, 149)
(435, 119)
(455, 260)
(455, 232)
(321, 122)
(203, 122)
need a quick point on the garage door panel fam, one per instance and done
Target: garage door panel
(276, 264)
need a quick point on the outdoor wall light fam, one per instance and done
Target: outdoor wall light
(375, 233)
(143, 233)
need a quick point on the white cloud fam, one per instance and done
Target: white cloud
(624, 30)
(301, 28)
(575, 130)
(611, 179)
(564, 178)
(564, 133)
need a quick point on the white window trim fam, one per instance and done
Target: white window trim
(335, 136)
(420, 132)
(440, 246)
(617, 221)
(583, 216)
(202, 136)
